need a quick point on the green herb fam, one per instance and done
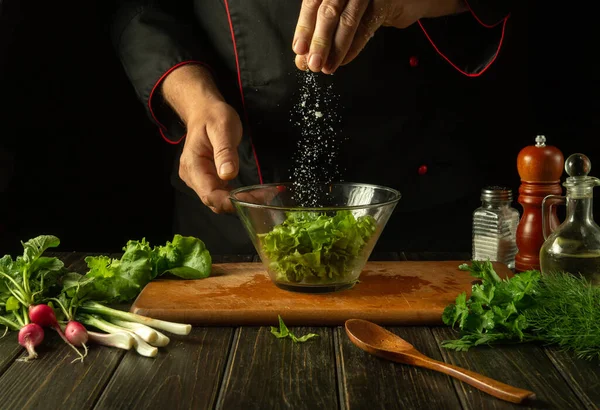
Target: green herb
(568, 314)
(284, 332)
(32, 278)
(315, 247)
(27, 280)
(44, 285)
(555, 309)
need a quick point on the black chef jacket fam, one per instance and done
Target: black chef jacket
(406, 105)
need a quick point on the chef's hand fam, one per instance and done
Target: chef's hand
(331, 33)
(209, 158)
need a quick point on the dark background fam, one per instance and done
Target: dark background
(85, 163)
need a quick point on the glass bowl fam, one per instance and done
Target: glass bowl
(318, 248)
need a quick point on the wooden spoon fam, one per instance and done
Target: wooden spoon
(379, 342)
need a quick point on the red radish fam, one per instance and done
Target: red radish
(30, 336)
(76, 333)
(43, 315)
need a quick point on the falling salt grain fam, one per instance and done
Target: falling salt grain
(318, 145)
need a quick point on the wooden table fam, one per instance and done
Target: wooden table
(248, 368)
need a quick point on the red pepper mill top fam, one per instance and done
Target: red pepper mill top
(540, 167)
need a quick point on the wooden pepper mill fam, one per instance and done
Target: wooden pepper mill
(540, 167)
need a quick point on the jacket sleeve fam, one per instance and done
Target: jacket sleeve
(151, 41)
(470, 41)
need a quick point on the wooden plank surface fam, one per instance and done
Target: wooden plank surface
(269, 373)
(10, 349)
(583, 376)
(521, 365)
(186, 374)
(389, 293)
(368, 382)
(213, 368)
(53, 381)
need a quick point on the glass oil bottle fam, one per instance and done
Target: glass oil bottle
(574, 246)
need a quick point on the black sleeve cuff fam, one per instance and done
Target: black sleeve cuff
(151, 44)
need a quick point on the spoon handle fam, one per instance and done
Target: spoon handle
(483, 383)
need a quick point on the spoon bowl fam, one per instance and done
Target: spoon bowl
(380, 342)
(374, 337)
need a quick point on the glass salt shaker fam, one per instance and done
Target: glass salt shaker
(495, 227)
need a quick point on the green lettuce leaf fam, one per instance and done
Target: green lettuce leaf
(314, 246)
(284, 332)
(118, 280)
(186, 257)
(111, 280)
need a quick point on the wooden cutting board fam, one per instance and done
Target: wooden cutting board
(389, 293)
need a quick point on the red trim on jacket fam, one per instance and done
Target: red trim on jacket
(481, 21)
(161, 127)
(239, 74)
(454, 65)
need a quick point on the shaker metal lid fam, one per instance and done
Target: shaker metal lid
(496, 193)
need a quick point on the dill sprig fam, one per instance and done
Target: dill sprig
(567, 313)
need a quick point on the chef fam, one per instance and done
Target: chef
(222, 79)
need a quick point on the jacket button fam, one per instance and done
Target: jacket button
(413, 61)
(422, 170)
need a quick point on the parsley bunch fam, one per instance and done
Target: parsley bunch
(557, 308)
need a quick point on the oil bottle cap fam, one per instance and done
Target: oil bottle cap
(578, 166)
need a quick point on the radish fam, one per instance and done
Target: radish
(77, 335)
(30, 336)
(44, 316)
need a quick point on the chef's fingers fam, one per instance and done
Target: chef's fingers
(219, 202)
(372, 19)
(197, 170)
(344, 34)
(209, 144)
(301, 62)
(305, 26)
(224, 133)
(328, 19)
